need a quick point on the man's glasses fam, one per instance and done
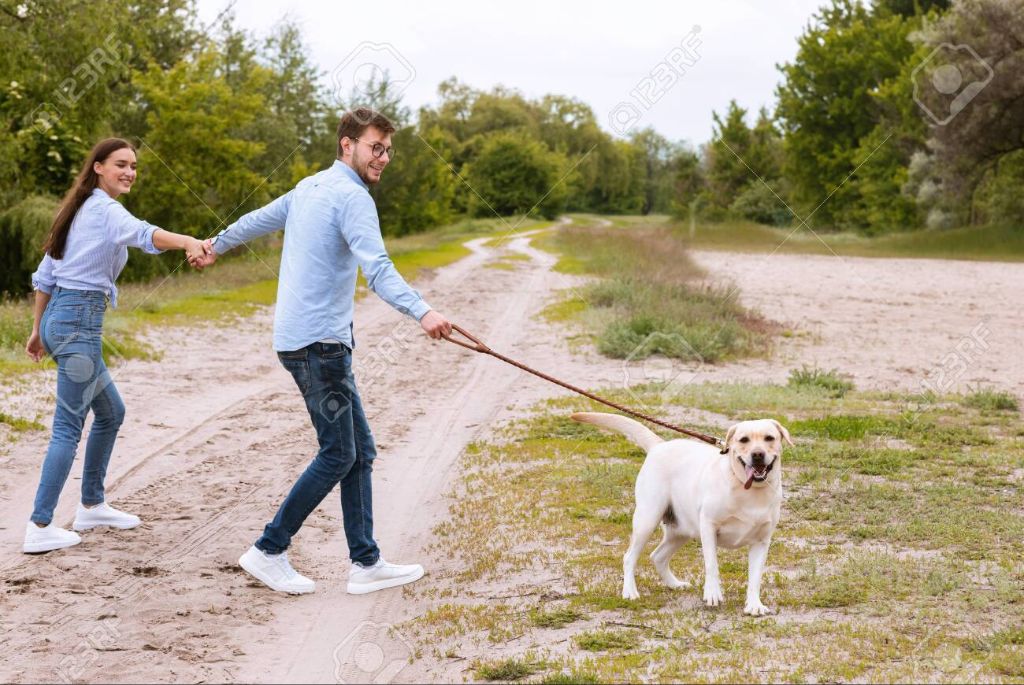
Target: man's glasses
(378, 149)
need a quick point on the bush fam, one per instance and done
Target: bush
(812, 377)
(988, 399)
(23, 230)
(510, 176)
(758, 203)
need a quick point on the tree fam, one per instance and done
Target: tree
(826, 104)
(513, 175)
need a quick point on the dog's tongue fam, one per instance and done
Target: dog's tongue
(750, 477)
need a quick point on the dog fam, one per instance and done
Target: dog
(727, 498)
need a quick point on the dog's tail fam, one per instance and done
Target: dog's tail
(634, 430)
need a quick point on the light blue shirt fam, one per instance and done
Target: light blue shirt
(97, 248)
(330, 230)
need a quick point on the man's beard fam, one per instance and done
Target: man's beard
(362, 170)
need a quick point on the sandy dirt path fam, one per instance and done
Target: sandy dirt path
(217, 433)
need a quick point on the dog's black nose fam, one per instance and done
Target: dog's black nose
(757, 458)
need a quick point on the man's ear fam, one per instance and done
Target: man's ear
(783, 432)
(728, 439)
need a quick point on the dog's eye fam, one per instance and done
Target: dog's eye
(769, 438)
(744, 439)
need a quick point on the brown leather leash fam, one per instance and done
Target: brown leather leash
(479, 346)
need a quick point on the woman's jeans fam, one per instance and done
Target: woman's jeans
(72, 330)
(323, 372)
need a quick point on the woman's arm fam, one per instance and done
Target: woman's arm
(34, 348)
(193, 247)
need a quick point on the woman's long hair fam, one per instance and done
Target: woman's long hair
(86, 181)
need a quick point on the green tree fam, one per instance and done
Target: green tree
(827, 105)
(516, 175)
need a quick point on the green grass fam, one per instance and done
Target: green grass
(897, 557)
(991, 243)
(650, 298)
(990, 399)
(812, 377)
(508, 670)
(20, 425)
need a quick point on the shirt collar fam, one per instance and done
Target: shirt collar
(99, 192)
(350, 172)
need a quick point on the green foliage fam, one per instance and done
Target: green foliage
(511, 175)
(23, 230)
(508, 670)
(827, 104)
(990, 399)
(829, 380)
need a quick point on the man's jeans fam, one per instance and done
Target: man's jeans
(323, 372)
(71, 330)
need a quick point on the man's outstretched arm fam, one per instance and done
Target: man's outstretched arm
(266, 219)
(361, 230)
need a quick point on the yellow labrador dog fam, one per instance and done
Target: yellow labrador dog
(729, 498)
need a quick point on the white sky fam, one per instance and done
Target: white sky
(595, 51)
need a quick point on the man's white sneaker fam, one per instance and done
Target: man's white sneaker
(382, 575)
(274, 571)
(103, 515)
(47, 539)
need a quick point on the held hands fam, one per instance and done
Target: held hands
(435, 325)
(34, 348)
(200, 253)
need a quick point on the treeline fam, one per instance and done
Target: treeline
(902, 115)
(883, 122)
(225, 121)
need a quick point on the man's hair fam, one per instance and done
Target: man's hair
(354, 123)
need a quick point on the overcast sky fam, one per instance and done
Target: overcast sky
(599, 52)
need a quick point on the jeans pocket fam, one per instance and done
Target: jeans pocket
(297, 365)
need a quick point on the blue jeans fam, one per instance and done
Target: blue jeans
(323, 373)
(71, 330)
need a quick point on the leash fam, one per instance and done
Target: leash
(479, 346)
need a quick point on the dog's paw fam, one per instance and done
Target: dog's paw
(755, 608)
(630, 593)
(713, 595)
(676, 584)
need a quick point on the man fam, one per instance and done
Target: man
(331, 228)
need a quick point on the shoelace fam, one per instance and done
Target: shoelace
(286, 568)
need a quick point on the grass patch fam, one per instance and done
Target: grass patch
(834, 384)
(604, 640)
(989, 399)
(20, 425)
(508, 670)
(651, 298)
(900, 539)
(991, 243)
(556, 618)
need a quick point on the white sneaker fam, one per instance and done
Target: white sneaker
(382, 575)
(103, 515)
(274, 571)
(47, 539)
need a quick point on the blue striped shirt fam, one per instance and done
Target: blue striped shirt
(97, 248)
(331, 229)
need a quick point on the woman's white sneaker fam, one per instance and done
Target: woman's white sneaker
(275, 571)
(382, 575)
(103, 515)
(47, 539)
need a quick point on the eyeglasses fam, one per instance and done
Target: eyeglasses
(378, 149)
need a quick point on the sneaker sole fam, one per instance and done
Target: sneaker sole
(366, 588)
(80, 527)
(40, 547)
(269, 583)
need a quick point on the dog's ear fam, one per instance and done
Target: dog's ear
(728, 440)
(783, 432)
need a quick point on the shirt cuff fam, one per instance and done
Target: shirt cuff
(419, 310)
(148, 246)
(42, 286)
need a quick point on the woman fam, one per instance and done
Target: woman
(85, 252)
